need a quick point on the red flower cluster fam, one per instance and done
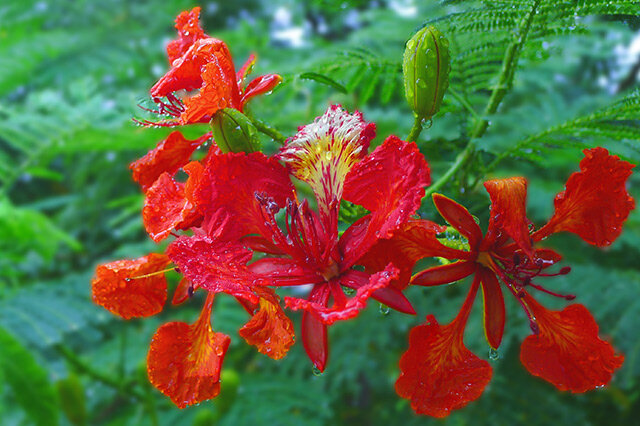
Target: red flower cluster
(241, 227)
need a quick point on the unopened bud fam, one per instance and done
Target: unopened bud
(234, 132)
(426, 67)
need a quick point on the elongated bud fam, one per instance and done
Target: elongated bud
(426, 67)
(72, 399)
(233, 132)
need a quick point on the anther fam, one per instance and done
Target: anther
(534, 326)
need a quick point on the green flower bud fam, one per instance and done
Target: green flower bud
(72, 399)
(234, 132)
(426, 67)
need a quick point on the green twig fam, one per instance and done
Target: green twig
(505, 80)
(415, 130)
(269, 131)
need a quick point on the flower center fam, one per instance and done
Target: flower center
(330, 272)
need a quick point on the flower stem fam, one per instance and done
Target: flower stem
(505, 80)
(268, 130)
(415, 130)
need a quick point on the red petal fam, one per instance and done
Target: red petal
(314, 332)
(438, 373)
(182, 292)
(508, 212)
(165, 208)
(390, 296)
(260, 85)
(188, 26)
(117, 288)
(186, 71)
(595, 203)
(567, 351)
(323, 152)
(170, 154)
(245, 70)
(184, 360)
(352, 306)
(284, 272)
(460, 218)
(414, 240)
(214, 265)
(445, 274)
(390, 184)
(226, 195)
(494, 313)
(270, 330)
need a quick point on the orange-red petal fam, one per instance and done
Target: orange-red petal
(184, 361)
(508, 212)
(118, 288)
(567, 350)
(445, 274)
(214, 265)
(188, 26)
(494, 312)
(259, 86)
(269, 329)
(313, 331)
(438, 373)
(460, 218)
(165, 208)
(595, 202)
(183, 291)
(168, 156)
(390, 184)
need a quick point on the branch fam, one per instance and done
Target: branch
(267, 130)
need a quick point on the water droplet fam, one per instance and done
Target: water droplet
(494, 355)
(384, 309)
(316, 371)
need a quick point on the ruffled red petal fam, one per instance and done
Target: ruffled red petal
(269, 329)
(438, 373)
(259, 86)
(348, 307)
(117, 288)
(595, 202)
(313, 331)
(168, 156)
(445, 274)
(389, 295)
(226, 194)
(184, 361)
(166, 208)
(508, 213)
(460, 218)
(214, 265)
(186, 71)
(188, 26)
(494, 312)
(414, 240)
(390, 184)
(567, 351)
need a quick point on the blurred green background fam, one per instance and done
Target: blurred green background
(71, 76)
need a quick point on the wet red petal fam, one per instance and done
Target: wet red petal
(494, 312)
(226, 195)
(165, 208)
(260, 85)
(186, 71)
(313, 331)
(352, 305)
(188, 26)
(390, 296)
(269, 329)
(184, 361)
(182, 292)
(595, 202)
(414, 240)
(438, 373)
(116, 288)
(390, 184)
(567, 351)
(214, 265)
(284, 271)
(508, 212)
(460, 218)
(246, 69)
(445, 274)
(170, 154)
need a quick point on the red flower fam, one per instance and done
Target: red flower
(240, 194)
(203, 63)
(565, 348)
